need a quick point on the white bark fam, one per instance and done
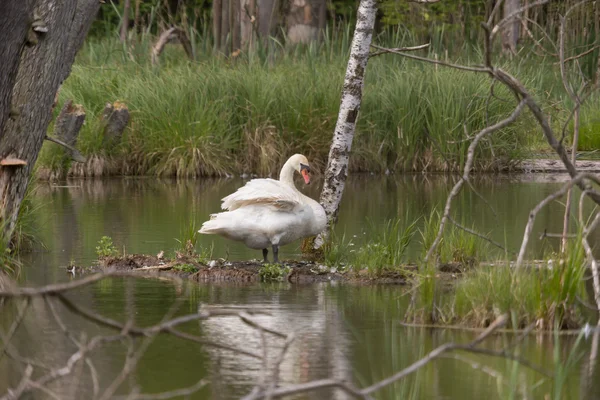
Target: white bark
(337, 166)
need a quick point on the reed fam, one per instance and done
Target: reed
(219, 116)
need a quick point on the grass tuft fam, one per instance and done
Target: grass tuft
(219, 116)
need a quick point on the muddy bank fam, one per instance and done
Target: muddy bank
(242, 271)
(98, 167)
(555, 166)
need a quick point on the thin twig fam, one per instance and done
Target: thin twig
(467, 170)
(247, 318)
(542, 204)
(499, 322)
(432, 61)
(183, 392)
(412, 48)
(513, 14)
(475, 233)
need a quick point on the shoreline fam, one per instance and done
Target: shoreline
(528, 170)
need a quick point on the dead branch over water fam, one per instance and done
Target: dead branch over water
(524, 99)
(37, 375)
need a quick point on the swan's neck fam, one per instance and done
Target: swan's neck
(287, 174)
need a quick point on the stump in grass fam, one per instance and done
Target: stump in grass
(115, 118)
(67, 127)
(69, 123)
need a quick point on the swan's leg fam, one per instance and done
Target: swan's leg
(276, 254)
(265, 252)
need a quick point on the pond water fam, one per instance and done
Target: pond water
(342, 331)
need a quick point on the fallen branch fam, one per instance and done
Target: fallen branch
(411, 48)
(164, 38)
(532, 215)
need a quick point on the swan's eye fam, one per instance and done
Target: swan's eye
(304, 167)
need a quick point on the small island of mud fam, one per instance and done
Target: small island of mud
(190, 268)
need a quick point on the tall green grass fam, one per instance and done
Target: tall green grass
(546, 295)
(385, 249)
(222, 115)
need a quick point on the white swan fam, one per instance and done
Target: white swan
(267, 212)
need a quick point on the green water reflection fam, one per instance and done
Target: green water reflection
(342, 331)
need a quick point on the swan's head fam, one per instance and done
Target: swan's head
(300, 164)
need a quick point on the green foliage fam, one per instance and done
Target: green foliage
(386, 247)
(106, 248)
(456, 246)
(189, 268)
(23, 237)
(462, 247)
(188, 238)
(338, 251)
(8, 262)
(273, 272)
(218, 116)
(206, 254)
(589, 127)
(384, 250)
(546, 295)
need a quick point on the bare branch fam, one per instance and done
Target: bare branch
(578, 56)
(14, 326)
(248, 320)
(204, 342)
(276, 367)
(170, 394)
(312, 386)
(510, 16)
(62, 287)
(412, 48)
(499, 322)
(532, 215)
(432, 61)
(578, 105)
(467, 170)
(592, 259)
(475, 233)
(21, 387)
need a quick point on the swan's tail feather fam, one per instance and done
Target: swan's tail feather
(211, 226)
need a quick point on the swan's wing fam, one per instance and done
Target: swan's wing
(268, 192)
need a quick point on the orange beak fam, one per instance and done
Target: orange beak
(306, 176)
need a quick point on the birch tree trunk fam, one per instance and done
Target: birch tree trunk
(56, 31)
(339, 153)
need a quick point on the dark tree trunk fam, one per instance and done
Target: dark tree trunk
(236, 25)
(14, 23)
(511, 28)
(125, 21)
(217, 15)
(267, 20)
(136, 18)
(322, 20)
(43, 67)
(247, 21)
(225, 24)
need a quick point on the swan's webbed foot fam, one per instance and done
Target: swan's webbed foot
(276, 254)
(265, 253)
